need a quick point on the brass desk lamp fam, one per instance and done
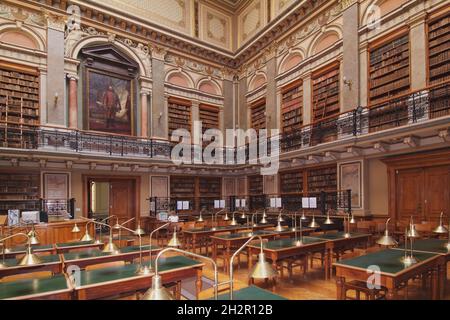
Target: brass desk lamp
(30, 259)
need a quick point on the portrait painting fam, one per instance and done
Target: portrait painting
(56, 186)
(350, 179)
(110, 103)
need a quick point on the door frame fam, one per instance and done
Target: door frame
(106, 178)
(435, 158)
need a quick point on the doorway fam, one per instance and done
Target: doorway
(113, 197)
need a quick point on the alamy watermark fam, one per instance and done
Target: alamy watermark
(238, 147)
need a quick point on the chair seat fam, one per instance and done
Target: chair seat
(361, 287)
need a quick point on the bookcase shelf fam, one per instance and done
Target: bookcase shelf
(326, 93)
(19, 106)
(291, 182)
(257, 115)
(182, 187)
(322, 179)
(439, 49)
(292, 107)
(389, 73)
(255, 185)
(179, 115)
(19, 191)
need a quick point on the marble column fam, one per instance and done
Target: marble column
(159, 103)
(144, 113)
(418, 45)
(350, 65)
(73, 101)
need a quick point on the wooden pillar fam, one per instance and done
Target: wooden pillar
(73, 101)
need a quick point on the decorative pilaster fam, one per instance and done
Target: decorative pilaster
(307, 103)
(144, 113)
(73, 101)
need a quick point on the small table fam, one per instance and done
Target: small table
(338, 244)
(234, 241)
(193, 236)
(436, 246)
(50, 263)
(280, 249)
(57, 287)
(251, 293)
(392, 271)
(107, 282)
(71, 246)
(89, 257)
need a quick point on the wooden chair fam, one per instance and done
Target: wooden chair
(361, 287)
(290, 263)
(23, 276)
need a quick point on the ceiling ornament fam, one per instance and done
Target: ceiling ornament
(19, 14)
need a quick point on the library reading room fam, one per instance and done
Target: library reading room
(224, 150)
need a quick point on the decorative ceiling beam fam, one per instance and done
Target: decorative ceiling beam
(412, 141)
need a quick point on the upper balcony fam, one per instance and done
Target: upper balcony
(399, 115)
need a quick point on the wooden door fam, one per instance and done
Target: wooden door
(437, 191)
(121, 201)
(409, 194)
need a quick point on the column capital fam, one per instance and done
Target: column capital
(145, 92)
(73, 77)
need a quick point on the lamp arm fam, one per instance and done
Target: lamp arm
(128, 221)
(216, 277)
(234, 256)
(150, 240)
(13, 236)
(140, 243)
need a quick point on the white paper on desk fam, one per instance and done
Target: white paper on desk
(273, 202)
(238, 203)
(185, 205)
(305, 203)
(179, 205)
(313, 203)
(216, 204)
(278, 203)
(222, 204)
(243, 203)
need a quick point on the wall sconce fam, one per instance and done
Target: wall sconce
(56, 98)
(160, 116)
(348, 83)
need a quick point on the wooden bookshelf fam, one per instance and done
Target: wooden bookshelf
(19, 105)
(322, 179)
(255, 185)
(209, 115)
(179, 115)
(326, 92)
(389, 69)
(209, 189)
(19, 191)
(292, 107)
(439, 48)
(291, 182)
(182, 187)
(257, 115)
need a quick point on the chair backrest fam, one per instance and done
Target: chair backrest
(30, 275)
(105, 265)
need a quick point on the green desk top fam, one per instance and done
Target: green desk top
(27, 287)
(74, 244)
(55, 258)
(95, 253)
(389, 261)
(281, 244)
(251, 293)
(339, 235)
(129, 270)
(223, 228)
(430, 245)
(21, 249)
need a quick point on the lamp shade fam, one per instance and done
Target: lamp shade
(263, 220)
(111, 247)
(328, 221)
(386, 240)
(243, 216)
(174, 242)
(440, 229)
(75, 228)
(157, 291)
(352, 220)
(412, 232)
(226, 217)
(263, 269)
(233, 222)
(34, 239)
(313, 224)
(139, 231)
(200, 218)
(86, 237)
(279, 227)
(30, 259)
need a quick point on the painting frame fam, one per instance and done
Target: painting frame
(89, 71)
(52, 181)
(350, 178)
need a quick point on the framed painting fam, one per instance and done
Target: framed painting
(56, 186)
(110, 103)
(350, 179)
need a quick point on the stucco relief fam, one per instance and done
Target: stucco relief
(23, 15)
(193, 66)
(252, 19)
(215, 26)
(171, 13)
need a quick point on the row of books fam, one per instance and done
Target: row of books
(19, 75)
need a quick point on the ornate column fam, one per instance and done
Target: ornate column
(307, 96)
(73, 100)
(144, 113)
(418, 45)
